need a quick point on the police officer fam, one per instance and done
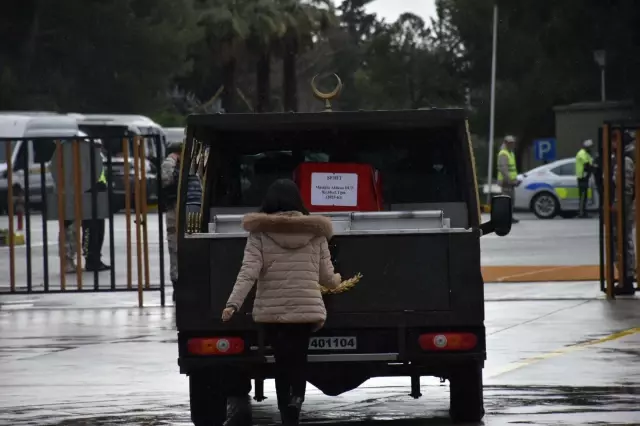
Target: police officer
(584, 168)
(93, 234)
(626, 286)
(507, 170)
(170, 175)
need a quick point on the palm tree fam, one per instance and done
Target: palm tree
(226, 31)
(265, 28)
(303, 20)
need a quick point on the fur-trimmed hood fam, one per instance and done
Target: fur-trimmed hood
(289, 229)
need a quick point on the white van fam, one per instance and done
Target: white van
(111, 129)
(174, 134)
(28, 155)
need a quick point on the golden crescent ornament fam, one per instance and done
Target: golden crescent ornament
(326, 97)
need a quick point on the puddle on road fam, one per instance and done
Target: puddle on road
(505, 405)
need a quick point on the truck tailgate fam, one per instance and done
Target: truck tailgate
(430, 275)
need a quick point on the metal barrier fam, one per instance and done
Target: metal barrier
(619, 210)
(59, 180)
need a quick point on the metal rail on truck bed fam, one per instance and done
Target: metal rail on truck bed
(350, 223)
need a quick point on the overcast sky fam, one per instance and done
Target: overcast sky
(391, 9)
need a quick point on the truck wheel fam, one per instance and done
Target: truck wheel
(208, 408)
(466, 400)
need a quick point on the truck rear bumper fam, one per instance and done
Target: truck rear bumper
(381, 364)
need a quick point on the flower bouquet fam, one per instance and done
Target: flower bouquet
(344, 285)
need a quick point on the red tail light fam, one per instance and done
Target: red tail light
(447, 341)
(215, 346)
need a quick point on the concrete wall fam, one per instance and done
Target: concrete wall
(577, 122)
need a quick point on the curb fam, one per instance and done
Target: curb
(540, 273)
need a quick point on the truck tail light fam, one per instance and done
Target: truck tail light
(447, 341)
(215, 346)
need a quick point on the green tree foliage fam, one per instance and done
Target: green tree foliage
(92, 55)
(545, 57)
(168, 58)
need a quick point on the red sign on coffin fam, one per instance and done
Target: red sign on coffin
(333, 187)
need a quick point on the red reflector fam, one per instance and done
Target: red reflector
(215, 346)
(447, 341)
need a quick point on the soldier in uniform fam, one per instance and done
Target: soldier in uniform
(170, 175)
(625, 286)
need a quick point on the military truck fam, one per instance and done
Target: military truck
(418, 309)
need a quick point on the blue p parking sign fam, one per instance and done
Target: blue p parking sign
(545, 149)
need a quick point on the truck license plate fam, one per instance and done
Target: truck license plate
(333, 343)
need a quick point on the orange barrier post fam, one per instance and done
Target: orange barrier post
(620, 182)
(143, 205)
(61, 214)
(136, 177)
(127, 206)
(637, 200)
(606, 172)
(77, 198)
(11, 236)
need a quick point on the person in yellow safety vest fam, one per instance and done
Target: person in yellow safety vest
(507, 169)
(584, 168)
(93, 235)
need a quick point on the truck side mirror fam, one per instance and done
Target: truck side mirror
(501, 214)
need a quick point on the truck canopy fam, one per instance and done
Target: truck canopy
(423, 177)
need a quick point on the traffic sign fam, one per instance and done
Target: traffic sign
(545, 149)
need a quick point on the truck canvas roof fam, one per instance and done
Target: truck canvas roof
(431, 117)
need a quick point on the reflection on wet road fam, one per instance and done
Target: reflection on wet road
(558, 360)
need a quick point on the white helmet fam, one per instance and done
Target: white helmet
(587, 143)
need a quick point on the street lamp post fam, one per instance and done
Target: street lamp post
(493, 100)
(600, 56)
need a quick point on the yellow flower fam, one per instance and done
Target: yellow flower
(344, 285)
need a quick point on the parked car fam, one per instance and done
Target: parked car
(174, 134)
(552, 190)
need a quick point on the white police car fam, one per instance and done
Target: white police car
(552, 189)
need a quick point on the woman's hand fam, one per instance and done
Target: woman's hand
(227, 313)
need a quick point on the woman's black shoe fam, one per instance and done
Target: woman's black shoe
(296, 402)
(291, 414)
(238, 412)
(628, 290)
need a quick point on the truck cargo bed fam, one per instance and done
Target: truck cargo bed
(415, 270)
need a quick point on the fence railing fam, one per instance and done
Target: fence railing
(93, 196)
(618, 180)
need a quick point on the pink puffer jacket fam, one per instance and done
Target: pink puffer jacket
(288, 254)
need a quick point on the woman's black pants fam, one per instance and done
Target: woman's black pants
(290, 343)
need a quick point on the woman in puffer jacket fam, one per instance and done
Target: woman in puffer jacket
(287, 253)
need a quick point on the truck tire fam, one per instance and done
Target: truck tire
(208, 408)
(466, 394)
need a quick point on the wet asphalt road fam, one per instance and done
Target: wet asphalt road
(556, 356)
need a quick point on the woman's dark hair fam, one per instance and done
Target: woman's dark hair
(283, 195)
